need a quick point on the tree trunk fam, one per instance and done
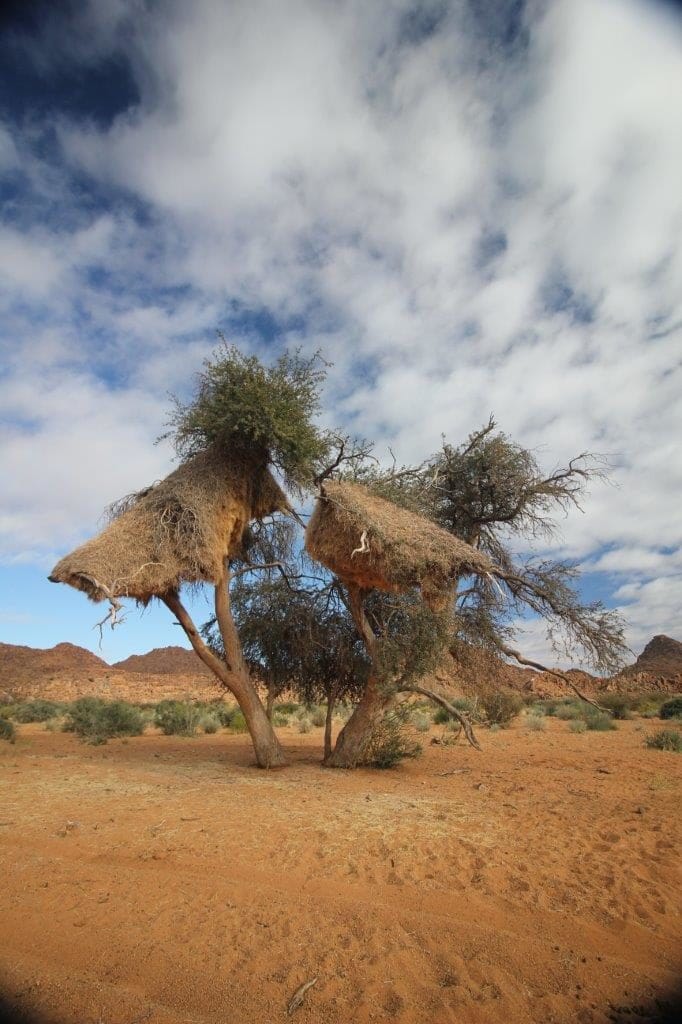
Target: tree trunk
(270, 700)
(331, 701)
(353, 739)
(269, 753)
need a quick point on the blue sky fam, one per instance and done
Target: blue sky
(469, 207)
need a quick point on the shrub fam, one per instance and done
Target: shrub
(318, 717)
(537, 710)
(237, 721)
(577, 725)
(535, 723)
(618, 704)
(671, 708)
(468, 707)
(501, 707)
(224, 713)
(421, 722)
(304, 724)
(286, 708)
(209, 724)
(36, 710)
(598, 721)
(280, 721)
(665, 739)
(177, 718)
(570, 711)
(388, 744)
(7, 730)
(97, 720)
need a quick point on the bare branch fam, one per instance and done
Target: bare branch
(511, 653)
(450, 708)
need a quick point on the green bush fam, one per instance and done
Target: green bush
(500, 707)
(598, 721)
(665, 739)
(209, 724)
(421, 722)
(618, 704)
(537, 710)
(7, 730)
(304, 724)
(671, 708)
(463, 704)
(286, 708)
(238, 722)
(535, 723)
(36, 710)
(177, 718)
(280, 721)
(577, 725)
(223, 712)
(97, 720)
(570, 711)
(388, 744)
(318, 717)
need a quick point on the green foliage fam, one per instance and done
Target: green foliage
(388, 743)
(468, 707)
(535, 723)
(619, 704)
(671, 708)
(238, 722)
(410, 636)
(304, 724)
(665, 739)
(597, 721)
(286, 708)
(421, 722)
(500, 707)
(177, 718)
(97, 720)
(570, 711)
(224, 713)
(577, 725)
(7, 730)
(38, 710)
(263, 413)
(318, 717)
(209, 724)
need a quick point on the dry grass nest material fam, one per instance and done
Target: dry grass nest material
(373, 543)
(178, 530)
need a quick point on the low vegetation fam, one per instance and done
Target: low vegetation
(500, 707)
(665, 739)
(96, 720)
(671, 708)
(7, 730)
(389, 743)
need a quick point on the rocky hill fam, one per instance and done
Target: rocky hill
(165, 661)
(66, 671)
(662, 656)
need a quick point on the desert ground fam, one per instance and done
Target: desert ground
(167, 880)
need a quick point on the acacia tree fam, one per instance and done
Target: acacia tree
(298, 636)
(491, 493)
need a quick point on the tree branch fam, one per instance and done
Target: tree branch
(511, 653)
(451, 710)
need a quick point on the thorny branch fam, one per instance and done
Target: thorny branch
(511, 653)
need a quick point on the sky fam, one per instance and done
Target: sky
(470, 207)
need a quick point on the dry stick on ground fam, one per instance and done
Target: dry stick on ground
(450, 708)
(511, 653)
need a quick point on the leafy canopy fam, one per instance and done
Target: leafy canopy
(264, 414)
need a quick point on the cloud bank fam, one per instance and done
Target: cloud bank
(468, 207)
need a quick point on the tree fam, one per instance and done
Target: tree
(244, 420)
(490, 492)
(297, 635)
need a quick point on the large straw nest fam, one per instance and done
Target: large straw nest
(178, 530)
(372, 543)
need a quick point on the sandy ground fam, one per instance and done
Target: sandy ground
(167, 880)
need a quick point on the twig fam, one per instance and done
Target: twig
(297, 998)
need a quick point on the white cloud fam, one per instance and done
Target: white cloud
(320, 162)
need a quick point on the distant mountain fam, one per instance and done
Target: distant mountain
(165, 661)
(17, 662)
(662, 656)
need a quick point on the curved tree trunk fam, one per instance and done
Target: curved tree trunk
(233, 675)
(353, 739)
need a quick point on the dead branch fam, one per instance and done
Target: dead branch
(511, 653)
(451, 710)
